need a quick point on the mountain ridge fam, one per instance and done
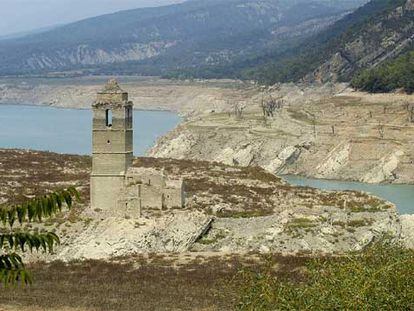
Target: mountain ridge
(157, 40)
(351, 44)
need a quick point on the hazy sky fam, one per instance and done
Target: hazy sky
(23, 15)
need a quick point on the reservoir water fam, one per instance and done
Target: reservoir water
(69, 130)
(401, 195)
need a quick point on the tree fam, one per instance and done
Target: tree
(14, 241)
(238, 109)
(271, 105)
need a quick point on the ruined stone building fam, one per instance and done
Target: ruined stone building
(118, 188)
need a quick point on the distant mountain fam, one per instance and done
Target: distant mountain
(378, 32)
(17, 35)
(194, 34)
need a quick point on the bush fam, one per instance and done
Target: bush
(397, 74)
(380, 278)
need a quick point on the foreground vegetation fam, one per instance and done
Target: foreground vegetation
(15, 240)
(397, 74)
(154, 282)
(380, 278)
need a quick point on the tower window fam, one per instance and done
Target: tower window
(108, 116)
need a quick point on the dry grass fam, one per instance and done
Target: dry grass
(201, 284)
(29, 173)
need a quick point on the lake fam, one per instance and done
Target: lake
(401, 195)
(70, 130)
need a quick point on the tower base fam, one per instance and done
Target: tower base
(105, 193)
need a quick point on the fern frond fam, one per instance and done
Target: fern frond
(11, 261)
(14, 276)
(40, 207)
(12, 268)
(18, 241)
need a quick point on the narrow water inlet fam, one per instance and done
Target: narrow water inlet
(401, 195)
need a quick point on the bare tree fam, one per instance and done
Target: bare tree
(412, 114)
(381, 130)
(238, 109)
(271, 105)
(410, 110)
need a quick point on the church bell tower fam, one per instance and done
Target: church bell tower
(112, 144)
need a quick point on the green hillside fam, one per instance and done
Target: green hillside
(393, 75)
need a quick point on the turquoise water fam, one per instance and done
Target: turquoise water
(69, 130)
(401, 195)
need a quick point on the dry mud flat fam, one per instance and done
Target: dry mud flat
(328, 133)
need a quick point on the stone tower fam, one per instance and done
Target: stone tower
(112, 147)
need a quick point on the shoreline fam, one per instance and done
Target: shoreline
(345, 180)
(147, 93)
(82, 108)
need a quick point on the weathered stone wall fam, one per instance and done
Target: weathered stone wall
(155, 190)
(146, 176)
(173, 197)
(104, 194)
(151, 197)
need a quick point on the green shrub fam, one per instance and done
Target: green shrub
(380, 278)
(397, 74)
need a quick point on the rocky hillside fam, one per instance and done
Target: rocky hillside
(319, 132)
(156, 40)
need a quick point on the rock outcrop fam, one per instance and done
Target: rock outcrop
(116, 237)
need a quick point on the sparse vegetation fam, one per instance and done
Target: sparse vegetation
(134, 283)
(300, 223)
(207, 240)
(379, 278)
